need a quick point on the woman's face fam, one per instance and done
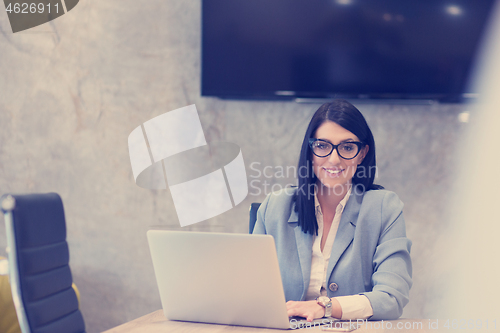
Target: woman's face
(333, 171)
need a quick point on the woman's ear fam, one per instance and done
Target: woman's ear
(363, 153)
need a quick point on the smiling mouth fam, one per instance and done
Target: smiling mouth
(333, 172)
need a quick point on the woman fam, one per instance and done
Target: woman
(341, 240)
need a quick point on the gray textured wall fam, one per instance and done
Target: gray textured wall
(72, 90)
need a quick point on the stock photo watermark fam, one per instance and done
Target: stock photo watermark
(419, 324)
(265, 179)
(351, 325)
(24, 15)
(204, 179)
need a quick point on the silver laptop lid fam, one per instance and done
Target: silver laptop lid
(219, 278)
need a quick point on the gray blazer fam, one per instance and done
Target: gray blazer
(370, 254)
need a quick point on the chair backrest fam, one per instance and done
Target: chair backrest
(254, 207)
(39, 270)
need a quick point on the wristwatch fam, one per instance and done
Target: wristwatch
(325, 302)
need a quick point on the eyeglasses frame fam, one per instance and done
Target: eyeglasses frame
(360, 145)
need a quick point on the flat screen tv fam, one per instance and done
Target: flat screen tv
(368, 49)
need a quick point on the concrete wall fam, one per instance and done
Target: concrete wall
(71, 91)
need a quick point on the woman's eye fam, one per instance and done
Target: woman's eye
(317, 145)
(348, 147)
(322, 146)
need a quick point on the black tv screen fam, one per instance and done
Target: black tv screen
(390, 49)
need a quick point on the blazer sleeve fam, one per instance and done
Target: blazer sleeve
(392, 267)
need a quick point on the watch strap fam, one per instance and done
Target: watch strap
(326, 303)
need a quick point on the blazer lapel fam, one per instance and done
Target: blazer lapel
(304, 248)
(346, 230)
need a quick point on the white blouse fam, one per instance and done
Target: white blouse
(353, 307)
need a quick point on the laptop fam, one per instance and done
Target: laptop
(219, 278)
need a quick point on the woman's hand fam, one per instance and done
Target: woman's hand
(312, 310)
(307, 309)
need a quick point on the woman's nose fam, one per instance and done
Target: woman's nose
(334, 157)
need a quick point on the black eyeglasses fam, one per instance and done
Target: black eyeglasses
(346, 150)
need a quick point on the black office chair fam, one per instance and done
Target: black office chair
(39, 271)
(254, 207)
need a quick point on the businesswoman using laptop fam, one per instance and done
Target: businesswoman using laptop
(341, 239)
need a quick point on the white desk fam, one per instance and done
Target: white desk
(156, 322)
